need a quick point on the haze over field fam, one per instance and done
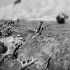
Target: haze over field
(34, 9)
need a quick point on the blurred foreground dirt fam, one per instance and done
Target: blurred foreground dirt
(29, 50)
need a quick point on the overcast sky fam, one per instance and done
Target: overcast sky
(6, 2)
(33, 9)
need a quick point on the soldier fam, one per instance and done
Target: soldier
(18, 20)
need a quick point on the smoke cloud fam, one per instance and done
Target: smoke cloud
(35, 9)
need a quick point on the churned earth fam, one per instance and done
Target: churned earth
(34, 45)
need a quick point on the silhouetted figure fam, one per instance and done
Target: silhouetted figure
(40, 26)
(18, 20)
(9, 32)
(18, 1)
(61, 18)
(15, 53)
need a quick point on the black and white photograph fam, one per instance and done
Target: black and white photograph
(34, 34)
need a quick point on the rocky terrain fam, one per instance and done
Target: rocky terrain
(34, 45)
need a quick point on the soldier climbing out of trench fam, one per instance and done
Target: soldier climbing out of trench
(41, 28)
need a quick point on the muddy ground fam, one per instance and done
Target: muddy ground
(32, 44)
